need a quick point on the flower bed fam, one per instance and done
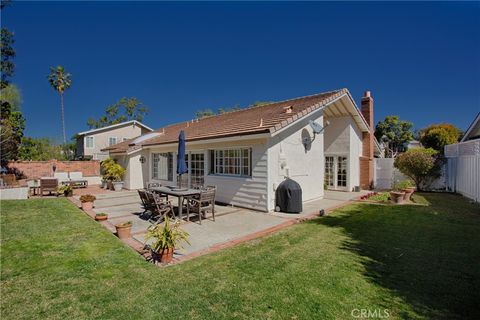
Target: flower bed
(380, 197)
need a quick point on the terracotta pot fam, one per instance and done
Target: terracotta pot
(68, 193)
(101, 218)
(397, 197)
(408, 193)
(109, 185)
(166, 256)
(123, 231)
(87, 206)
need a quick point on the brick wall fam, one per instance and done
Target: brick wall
(37, 169)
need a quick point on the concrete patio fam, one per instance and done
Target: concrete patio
(231, 223)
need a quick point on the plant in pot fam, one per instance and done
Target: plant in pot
(104, 182)
(106, 165)
(67, 190)
(124, 229)
(165, 239)
(397, 195)
(116, 171)
(407, 187)
(87, 201)
(101, 216)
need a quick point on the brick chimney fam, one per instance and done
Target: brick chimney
(366, 160)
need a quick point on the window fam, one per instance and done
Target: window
(329, 171)
(162, 166)
(197, 169)
(236, 162)
(112, 141)
(125, 139)
(89, 142)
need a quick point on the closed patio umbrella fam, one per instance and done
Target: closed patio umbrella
(181, 165)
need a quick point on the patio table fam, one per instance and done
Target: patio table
(179, 193)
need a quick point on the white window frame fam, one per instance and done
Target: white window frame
(224, 155)
(116, 141)
(93, 142)
(164, 173)
(335, 170)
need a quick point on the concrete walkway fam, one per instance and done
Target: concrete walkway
(230, 226)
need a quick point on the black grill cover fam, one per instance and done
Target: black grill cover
(289, 196)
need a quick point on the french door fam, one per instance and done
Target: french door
(196, 170)
(336, 173)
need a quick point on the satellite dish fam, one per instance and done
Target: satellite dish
(316, 127)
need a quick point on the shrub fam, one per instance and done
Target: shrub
(404, 184)
(87, 198)
(167, 236)
(112, 170)
(419, 164)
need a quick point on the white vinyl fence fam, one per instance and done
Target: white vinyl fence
(463, 168)
(386, 176)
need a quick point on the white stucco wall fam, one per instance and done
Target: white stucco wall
(304, 166)
(101, 139)
(344, 138)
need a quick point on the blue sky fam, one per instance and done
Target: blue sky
(420, 60)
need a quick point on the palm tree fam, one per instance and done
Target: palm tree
(60, 81)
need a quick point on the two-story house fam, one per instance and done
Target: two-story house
(90, 143)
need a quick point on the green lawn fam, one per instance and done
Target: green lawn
(415, 261)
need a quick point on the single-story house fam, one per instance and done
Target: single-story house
(473, 130)
(248, 153)
(91, 142)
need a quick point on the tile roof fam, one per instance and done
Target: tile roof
(267, 118)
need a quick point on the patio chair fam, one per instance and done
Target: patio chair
(202, 203)
(161, 208)
(147, 203)
(153, 185)
(77, 179)
(48, 184)
(62, 177)
(9, 179)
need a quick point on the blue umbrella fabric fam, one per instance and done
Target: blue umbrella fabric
(181, 165)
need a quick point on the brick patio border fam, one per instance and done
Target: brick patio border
(139, 247)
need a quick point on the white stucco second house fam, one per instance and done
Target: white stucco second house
(248, 153)
(91, 142)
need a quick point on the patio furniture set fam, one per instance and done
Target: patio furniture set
(198, 201)
(51, 184)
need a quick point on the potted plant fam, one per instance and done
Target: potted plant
(67, 190)
(87, 201)
(165, 239)
(101, 216)
(123, 229)
(397, 195)
(116, 171)
(106, 165)
(407, 187)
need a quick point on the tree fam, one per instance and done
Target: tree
(209, 112)
(7, 55)
(437, 136)
(394, 134)
(420, 164)
(12, 95)
(60, 81)
(12, 125)
(123, 110)
(40, 149)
